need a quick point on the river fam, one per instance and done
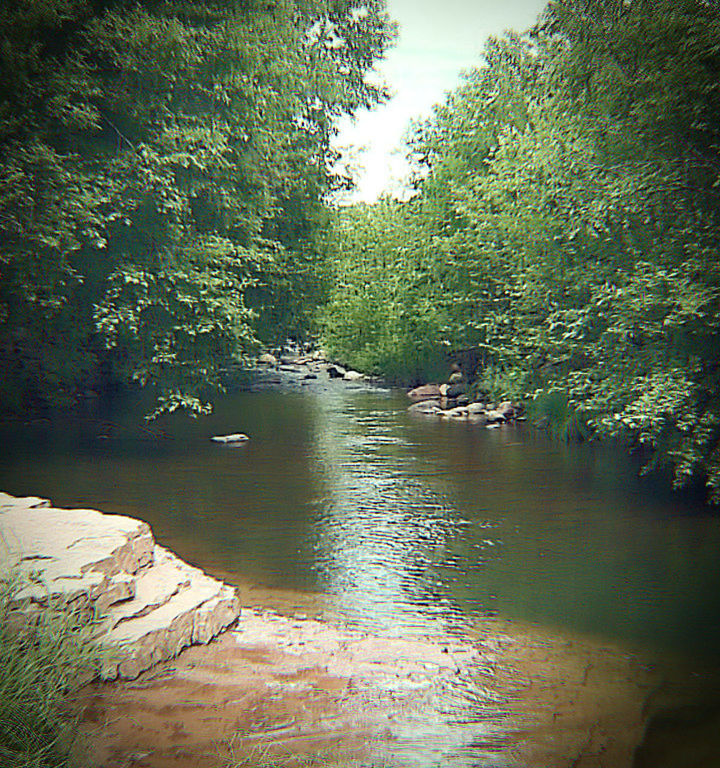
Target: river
(400, 524)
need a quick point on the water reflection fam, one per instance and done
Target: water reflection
(405, 523)
(407, 526)
(380, 531)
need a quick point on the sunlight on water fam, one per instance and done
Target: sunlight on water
(380, 531)
(404, 523)
(405, 527)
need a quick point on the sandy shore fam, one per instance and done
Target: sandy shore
(289, 682)
(296, 690)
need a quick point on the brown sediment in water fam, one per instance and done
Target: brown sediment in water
(290, 689)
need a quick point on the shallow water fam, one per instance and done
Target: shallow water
(403, 524)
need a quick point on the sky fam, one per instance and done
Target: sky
(438, 39)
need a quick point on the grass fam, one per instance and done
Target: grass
(44, 660)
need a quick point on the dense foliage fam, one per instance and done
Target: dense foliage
(566, 232)
(163, 167)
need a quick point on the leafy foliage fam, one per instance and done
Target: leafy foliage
(569, 221)
(163, 163)
(385, 312)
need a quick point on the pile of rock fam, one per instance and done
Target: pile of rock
(151, 603)
(305, 364)
(450, 401)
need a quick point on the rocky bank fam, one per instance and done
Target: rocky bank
(152, 604)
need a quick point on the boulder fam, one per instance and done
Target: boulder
(425, 392)
(267, 359)
(507, 409)
(353, 376)
(476, 408)
(452, 390)
(495, 417)
(426, 407)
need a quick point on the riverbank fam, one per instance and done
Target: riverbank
(285, 682)
(283, 690)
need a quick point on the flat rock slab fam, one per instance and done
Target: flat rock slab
(8, 502)
(175, 605)
(71, 552)
(153, 604)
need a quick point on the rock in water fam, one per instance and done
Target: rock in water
(336, 371)
(452, 390)
(426, 407)
(508, 410)
(425, 392)
(475, 408)
(461, 412)
(236, 437)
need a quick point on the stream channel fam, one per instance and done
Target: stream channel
(399, 525)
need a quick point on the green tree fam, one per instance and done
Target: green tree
(570, 211)
(164, 162)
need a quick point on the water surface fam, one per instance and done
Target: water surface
(403, 524)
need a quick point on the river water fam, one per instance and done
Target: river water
(402, 524)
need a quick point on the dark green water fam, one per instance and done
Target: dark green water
(401, 523)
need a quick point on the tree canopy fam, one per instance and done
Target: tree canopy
(164, 164)
(569, 227)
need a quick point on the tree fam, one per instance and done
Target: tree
(163, 164)
(571, 212)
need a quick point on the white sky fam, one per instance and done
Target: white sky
(438, 39)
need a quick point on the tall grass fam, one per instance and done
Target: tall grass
(553, 411)
(44, 660)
